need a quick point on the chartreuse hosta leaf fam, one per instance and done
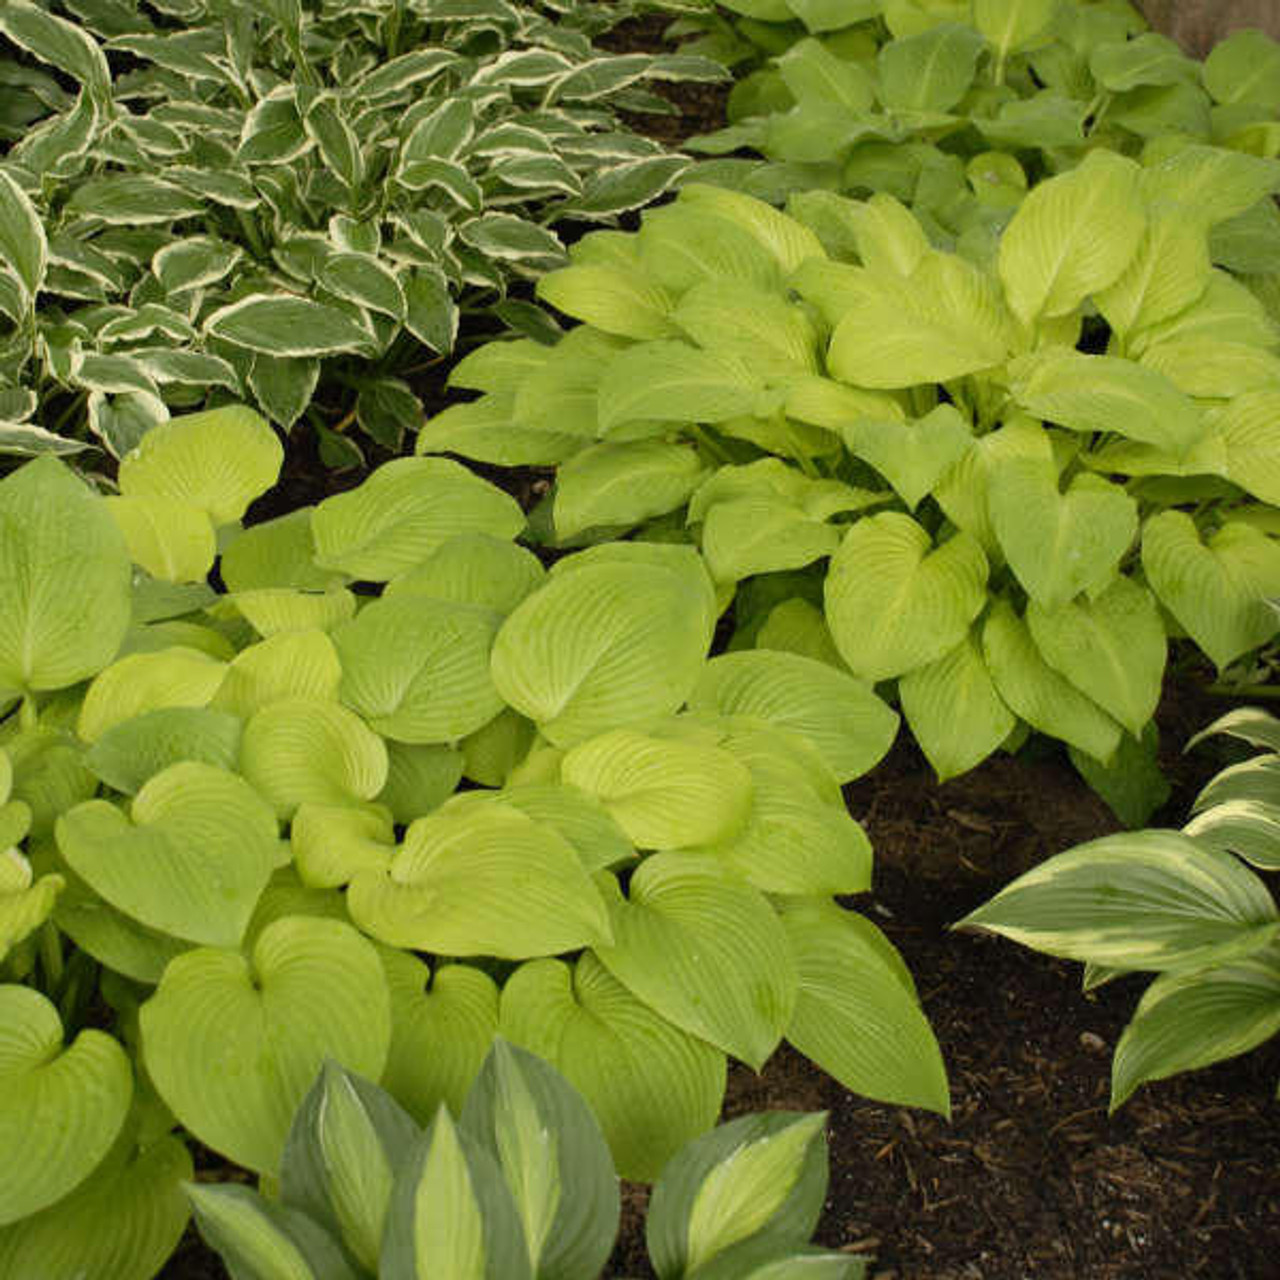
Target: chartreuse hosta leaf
(611, 298)
(585, 822)
(894, 601)
(493, 751)
(64, 580)
(857, 1014)
(190, 859)
(331, 844)
(169, 538)
(1140, 900)
(142, 682)
(232, 1043)
(290, 664)
(419, 778)
(651, 1086)
(476, 569)
(61, 1107)
(757, 1181)
(912, 455)
(403, 512)
(272, 610)
(276, 553)
(481, 878)
(705, 950)
(553, 1157)
(1247, 428)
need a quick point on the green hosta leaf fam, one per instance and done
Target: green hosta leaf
(706, 951)
(682, 244)
(442, 1025)
(293, 664)
(1074, 234)
(1243, 68)
(581, 819)
(614, 300)
(481, 878)
(331, 844)
(1149, 58)
(418, 779)
(1013, 25)
(774, 337)
(300, 750)
(283, 324)
(912, 455)
(172, 677)
(272, 611)
(651, 1086)
(1217, 589)
(61, 1107)
(857, 1015)
(233, 1044)
(762, 534)
(789, 242)
(22, 240)
(796, 626)
(1131, 782)
(128, 755)
(1140, 900)
(386, 409)
(475, 569)
(403, 512)
(1250, 431)
(814, 74)
(894, 602)
(604, 646)
(64, 580)
(169, 539)
(276, 553)
(956, 716)
(1168, 273)
(191, 858)
(928, 72)
(1216, 370)
(611, 484)
(840, 715)
(1112, 648)
(417, 670)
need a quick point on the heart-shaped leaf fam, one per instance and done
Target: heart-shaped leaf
(142, 682)
(912, 455)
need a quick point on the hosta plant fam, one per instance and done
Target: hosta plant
(286, 203)
(996, 485)
(1182, 904)
(232, 847)
(519, 1183)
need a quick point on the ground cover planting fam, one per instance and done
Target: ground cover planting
(528, 658)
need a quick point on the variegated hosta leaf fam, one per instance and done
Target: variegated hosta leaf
(22, 239)
(64, 580)
(554, 1159)
(894, 602)
(217, 461)
(857, 1014)
(132, 752)
(142, 682)
(473, 568)
(1249, 724)
(61, 1107)
(169, 538)
(417, 668)
(331, 844)
(283, 325)
(705, 950)
(233, 1044)
(403, 512)
(1140, 900)
(442, 1025)
(190, 859)
(652, 1086)
(481, 878)
(288, 665)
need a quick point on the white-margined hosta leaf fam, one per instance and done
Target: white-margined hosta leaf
(233, 1043)
(283, 324)
(62, 1107)
(167, 537)
(171, 677)
(290, 664)
(194, 263)
(475, 569)
(284, 385)
(22, 239)
(1249, 724)
(610, 484)
(651, 1086)
(130, 753)
(1250, 828)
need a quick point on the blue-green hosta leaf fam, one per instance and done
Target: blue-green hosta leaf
(1139, 900)
(442, 1025)
(931, 71)
(1242, 68)
(912, 455)
(554, 1158)
(1073, 235)
(1043, 697)
(22, 238)
(292, 664)
(956, 716)
(604, 645)
(617, 301)
(705, 950)
(1111, 648)
(1168, 273)
(894, 602)
(331, 844)
(419, 779)
(232, 1044)
(651, 1086)
(190, 859)
(64, 580)
(857, 1014)
(403, 512)
(663, 792)
(169, 538)
(135, 750)
(1218, 588)
(283, 324)
(172, 677)
(839, 714)
(417, 669)
(61, 1107)
(481, 878)
(475, 569)
(217, 461)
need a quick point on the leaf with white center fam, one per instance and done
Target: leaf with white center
(481, 878)
(651, 1086)
(292, 664)
(141, 682)
(22, 240)
(475, 569)
(1073, 235)
(64, 580)
(894, 601)
(168, 538)
(1169, 272)
(190, 859)
(442, 1025)
(623, 484)
(417, 669)
(1217, 588)
(282, 324)
(956, 716)
(217, 461)
(839, 714)
(135, 750)
(62, 1107)
(857, 1014)
(616, 301)
(403, 512)
(233, 1043)
(300, 750)
(705, 950)
(774, 336)
(912, 455)
(604, 646)
(1140, 900)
